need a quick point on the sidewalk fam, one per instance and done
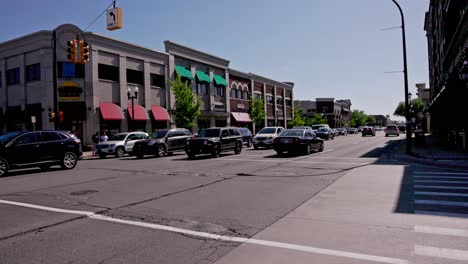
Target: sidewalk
(432, 154)
(357, 220)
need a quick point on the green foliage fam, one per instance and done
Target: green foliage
(299, 119)
(187, 106)
(316, 119)
(257, 111)
(358, 118)
(370, 119)
(400, 110)
(416, 108)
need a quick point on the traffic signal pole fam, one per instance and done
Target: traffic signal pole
(54, 77)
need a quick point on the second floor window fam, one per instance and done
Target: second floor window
(233, 93)
(246, 95)
(108, 72)
(258, 96)
(157, 80)
(269, 99)
(220, 91)
(239, 94)
(202, 88)
(279, 101)
(13, 76)
(134, 76)
(33, 72)
(70, 70)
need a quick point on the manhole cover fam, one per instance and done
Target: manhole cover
(84, 192)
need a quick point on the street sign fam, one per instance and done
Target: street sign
(114, 18)
(33, 119)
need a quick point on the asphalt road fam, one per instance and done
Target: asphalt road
(234, 195)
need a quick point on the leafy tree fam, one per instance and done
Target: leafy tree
(187, 105)
(370, 119)
(416, 107)
(257, 111)
(358, 118)
(299, 119)
(400, 110)
(317, 119)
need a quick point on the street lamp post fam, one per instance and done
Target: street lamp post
(405, 71)
(132, 97)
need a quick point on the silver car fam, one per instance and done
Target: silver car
(119, 144)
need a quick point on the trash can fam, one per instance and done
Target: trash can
(420, 139)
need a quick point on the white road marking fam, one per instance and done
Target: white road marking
(440, 173)
(435, 181)
(442, 194)
(441, 177)
(297, 161)
(445, 253)
(215, 236)
(441, 187)
(441, 231)
(435, 202)
(422, 212)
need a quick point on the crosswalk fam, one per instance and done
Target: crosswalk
(440, 193)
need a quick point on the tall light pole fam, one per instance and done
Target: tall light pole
(132, 97)
(405, 71)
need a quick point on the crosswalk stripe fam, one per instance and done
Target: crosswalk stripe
(440, 177)
(440, 173)
(441, 187)
(442, 194)
(441, 231)
(445, 253)
(435, 181)
(435, 202)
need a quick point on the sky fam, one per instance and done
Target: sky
(328, 48)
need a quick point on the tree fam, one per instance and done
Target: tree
(299, 119)
(316, 119)
(257, 111)
(187, 105)
(358, 118)
(416, 108)
(370, 119)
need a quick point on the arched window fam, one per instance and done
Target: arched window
(233, 93)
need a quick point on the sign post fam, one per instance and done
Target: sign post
(33, 121)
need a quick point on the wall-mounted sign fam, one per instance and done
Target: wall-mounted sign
(69, 91)
(240, 106)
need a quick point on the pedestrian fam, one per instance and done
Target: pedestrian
(95, 139)
(103, 137)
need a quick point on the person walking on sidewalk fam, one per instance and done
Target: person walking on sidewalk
(103, 137)
(95, 139)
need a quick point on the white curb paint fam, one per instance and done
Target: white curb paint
(214, 236)
(445, 253)
(441, 231)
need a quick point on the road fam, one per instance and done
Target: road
(166, 210)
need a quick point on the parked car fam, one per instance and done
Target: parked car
(119, 144)
(325, 133)
(265, 136)
(342, 131)
(214, 141)
(335, 132)
(315, 128)
(392, 130)
(247, 136)
(43, 149)
(162, 142)
(353, 130)
(367, 131)
(297, 140)
(304, 127)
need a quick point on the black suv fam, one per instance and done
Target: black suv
(368, 131)
(162, 142)
(25, 149)
(215, 140)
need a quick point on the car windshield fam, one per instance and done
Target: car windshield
(323, 129)
(5, 138)
(118, 137)
(209, 133)
(159, 134)
(292, 133)
(267, 130)
(315, 127)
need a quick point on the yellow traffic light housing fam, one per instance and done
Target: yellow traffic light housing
(84, 52)
(72, 48)
(52, 117)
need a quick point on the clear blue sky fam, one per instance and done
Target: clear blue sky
(329, 48)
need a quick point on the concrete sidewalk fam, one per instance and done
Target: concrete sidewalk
(354, 220)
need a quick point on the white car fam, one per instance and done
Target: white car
(266, 136)
(392, 130)
(119, 144)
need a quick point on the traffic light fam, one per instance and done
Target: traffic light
(84, 51)
(71, 50)
(60, 116)
(52, 116)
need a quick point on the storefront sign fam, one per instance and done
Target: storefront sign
(69, 91)
(240, 106)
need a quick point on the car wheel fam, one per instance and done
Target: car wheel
(307, 149)
(119, 152)
(216, 151)
(249, 143)
(45, 167)
(160, 151)
(3, 167)
(191, 155)
(255, 147)
(68, 161)
(321, 148)
(238, 148)
(102, 156)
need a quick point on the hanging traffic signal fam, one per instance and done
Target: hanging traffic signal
(84, 52)
(52, 116)
(60, 116)
(72, 50)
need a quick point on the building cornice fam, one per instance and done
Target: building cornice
(259, 78)
(240, 74)
(195, 55)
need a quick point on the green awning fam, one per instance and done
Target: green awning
(219, 80)
(183, 72)
(203, 77)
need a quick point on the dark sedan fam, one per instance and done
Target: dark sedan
(162, 142)
(325, 133)
(297, 141)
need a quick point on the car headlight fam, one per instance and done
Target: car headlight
(152, 142)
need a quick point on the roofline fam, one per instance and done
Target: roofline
(270, 80)
(40, 32)
(240, 74)
(196, 50)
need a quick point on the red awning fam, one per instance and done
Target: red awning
(110, 111)
(140, 113)
(160, 113)
(241, 117)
